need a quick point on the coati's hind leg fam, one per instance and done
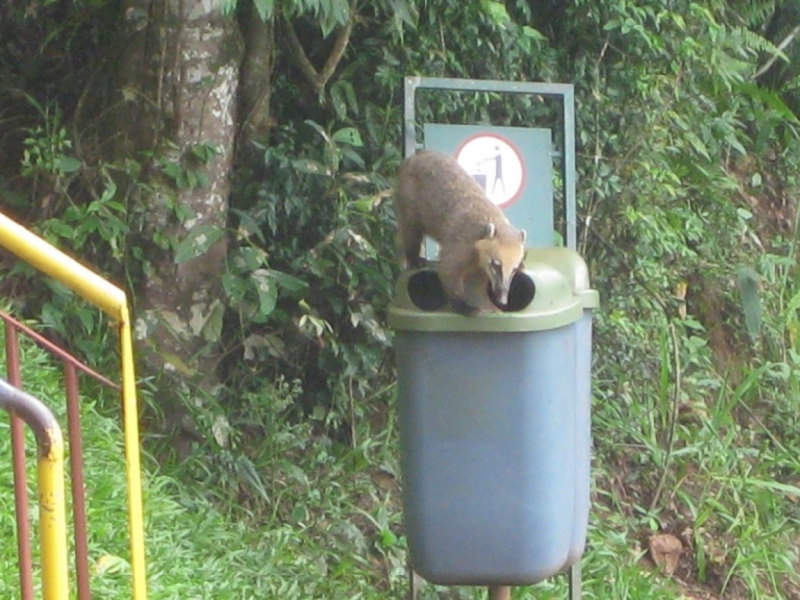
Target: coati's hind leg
(410, 242)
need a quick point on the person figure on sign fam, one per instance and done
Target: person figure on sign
(498, 170)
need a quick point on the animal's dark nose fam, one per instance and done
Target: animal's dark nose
(520, 293)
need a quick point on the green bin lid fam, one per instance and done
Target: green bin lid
(551, 291)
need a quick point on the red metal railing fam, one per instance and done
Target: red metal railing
(72, 366)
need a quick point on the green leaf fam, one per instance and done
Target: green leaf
(265, 8)
(288, 282)
(747, 280)
(777, 486)
(331, 14)
(108, 193)
(205, 153)
(249, 258)
(364, 205)
(201, 177)
(235, 287)
(197, 242)
(227, 6)
(339, 101)
(212, 330)
(348, 135)
(248, 226)
(59, 228)
(172, 170)
(248, 473)
(318, 128)
(388, 538)
(306, 165)
(67, 164)
(698, 144)
(793, 304)
(353, 156)
(496, 11)
(533, 34)
(349, 94)
(267, 291)
(406, 12)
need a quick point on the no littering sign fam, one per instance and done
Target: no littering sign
(496, 164)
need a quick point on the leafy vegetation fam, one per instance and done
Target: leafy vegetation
(687, 128)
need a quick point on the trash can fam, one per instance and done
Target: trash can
(494, 414)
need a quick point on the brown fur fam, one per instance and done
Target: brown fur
(436, 197)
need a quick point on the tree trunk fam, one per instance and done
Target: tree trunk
(179, 81)
(255, 79)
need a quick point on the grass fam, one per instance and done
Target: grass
(727, 450)
(300, 516)
(193, 550)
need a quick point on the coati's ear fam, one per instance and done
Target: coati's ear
(490, 231)
(524, 235)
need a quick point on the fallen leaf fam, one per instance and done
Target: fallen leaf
(665, 550)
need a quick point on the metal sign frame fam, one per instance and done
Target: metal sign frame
(559, 91)
(563, 91)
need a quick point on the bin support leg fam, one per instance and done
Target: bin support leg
(415, 582)
(575, 584)
(499, 592)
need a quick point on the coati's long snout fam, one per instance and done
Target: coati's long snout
(500, 283)
(501, 259)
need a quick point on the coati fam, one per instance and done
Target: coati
(434, 196)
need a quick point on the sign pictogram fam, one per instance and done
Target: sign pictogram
(496, 164)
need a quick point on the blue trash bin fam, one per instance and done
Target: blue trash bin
(494, 414)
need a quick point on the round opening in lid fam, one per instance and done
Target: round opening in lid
(425, 291)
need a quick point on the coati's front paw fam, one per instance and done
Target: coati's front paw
(463, 308)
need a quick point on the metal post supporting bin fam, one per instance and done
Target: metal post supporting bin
(494, 417)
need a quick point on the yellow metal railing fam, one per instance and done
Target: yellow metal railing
(52, 513)
(113, 301)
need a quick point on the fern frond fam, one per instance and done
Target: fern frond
(756, 43)
(754, 14)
